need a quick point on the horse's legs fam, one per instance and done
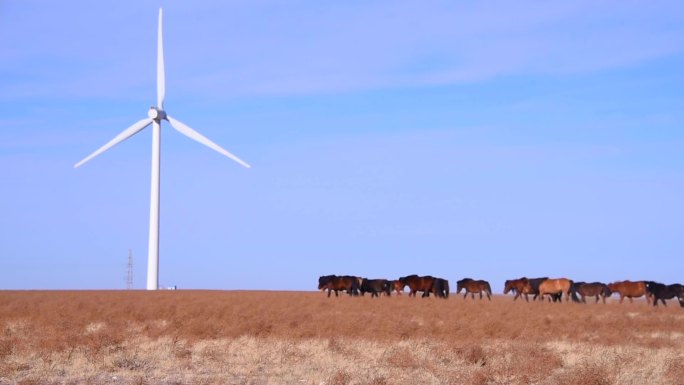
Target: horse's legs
(527, 299)
(480, 295)
(489, 297)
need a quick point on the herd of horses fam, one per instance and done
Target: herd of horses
(554, 289)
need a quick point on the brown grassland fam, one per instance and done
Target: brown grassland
(212, 337)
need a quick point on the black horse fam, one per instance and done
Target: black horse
(440, 288)
(375, 287)
(662, 292)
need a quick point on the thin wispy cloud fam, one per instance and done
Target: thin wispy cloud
(310, 47)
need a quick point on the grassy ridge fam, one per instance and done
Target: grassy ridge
(217, 337)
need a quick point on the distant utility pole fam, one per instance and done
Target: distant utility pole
(129, 276)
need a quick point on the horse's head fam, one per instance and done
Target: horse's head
(324, 280)
(398, 285)
(508, 286)
(606, 291)
(324, 286)
(651, 286)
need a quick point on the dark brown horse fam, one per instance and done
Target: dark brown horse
(594, 289)
(336, 283)
(630, 289)
(440, 288)
(417, 283)
(553, 286)
(519, 287)
(659, 291)
(472, 286)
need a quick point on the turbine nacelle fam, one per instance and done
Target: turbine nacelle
(156, 114)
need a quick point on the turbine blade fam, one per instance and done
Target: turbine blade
(161, 82)
(194, 135)
(125, 134)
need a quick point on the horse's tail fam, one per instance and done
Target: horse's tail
(573, 292)
(488, 288)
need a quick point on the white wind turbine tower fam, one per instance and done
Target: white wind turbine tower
(155, 117)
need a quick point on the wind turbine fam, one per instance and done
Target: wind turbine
(155, 115)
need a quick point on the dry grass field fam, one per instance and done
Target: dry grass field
(210, 337)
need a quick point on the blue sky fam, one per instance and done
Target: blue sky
(492, 140)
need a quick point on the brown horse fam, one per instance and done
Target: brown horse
(630, 289)
(528, 286)
(335, 283)
(397, 286)
(594, 289)
(519, 287)
(417, 283)
(472, 286)
(556, 286)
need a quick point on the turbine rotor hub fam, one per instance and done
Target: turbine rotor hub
(156, 114)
